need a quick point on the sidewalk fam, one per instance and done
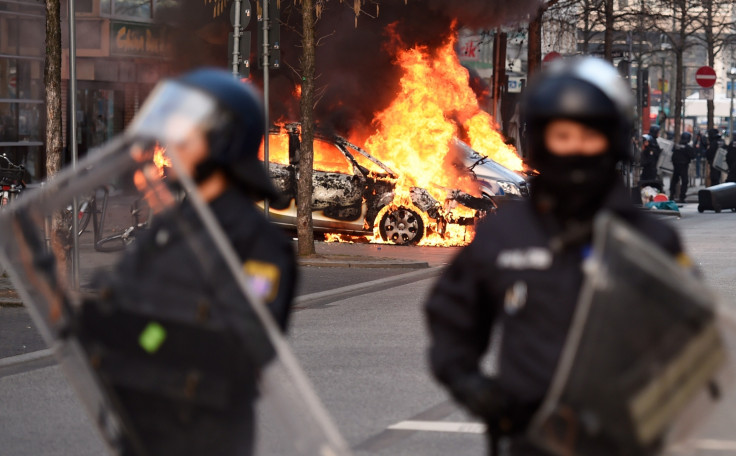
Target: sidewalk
(8, 296)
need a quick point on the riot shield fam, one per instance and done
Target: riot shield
(719, 161)
(664, 163)
(164, 339)
(643, 355)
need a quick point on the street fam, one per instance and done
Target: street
(363, 347)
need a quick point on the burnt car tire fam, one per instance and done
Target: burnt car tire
(401, 226)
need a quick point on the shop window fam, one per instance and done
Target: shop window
(132, 8)
(20, 79)
(20, 122)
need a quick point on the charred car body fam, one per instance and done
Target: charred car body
(352, 192)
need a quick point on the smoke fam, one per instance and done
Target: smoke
(356, 74)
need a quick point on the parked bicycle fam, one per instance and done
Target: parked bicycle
(11, 180)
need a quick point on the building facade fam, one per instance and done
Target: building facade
(120, 57)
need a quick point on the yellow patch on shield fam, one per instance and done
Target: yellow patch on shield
(263, 278)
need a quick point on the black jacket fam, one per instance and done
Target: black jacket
(174, 277)
(682, 154)
(650, 155)
(509, 275)
(713, 145)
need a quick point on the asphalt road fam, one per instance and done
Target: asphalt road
(365, 355)
(18, 335)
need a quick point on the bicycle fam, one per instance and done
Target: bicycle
(11, 181)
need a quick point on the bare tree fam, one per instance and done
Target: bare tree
(305, 231)
(311, 10)
(717, 33)
(534, 48)
(676, 19)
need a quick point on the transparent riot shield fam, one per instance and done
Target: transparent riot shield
(645, 357)
(164, 339)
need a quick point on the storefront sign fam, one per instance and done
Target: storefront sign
(136, 39)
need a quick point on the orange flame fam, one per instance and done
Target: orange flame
(434, 106)
(161, 160)
(327, 157)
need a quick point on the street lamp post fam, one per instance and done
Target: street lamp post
(732, 77)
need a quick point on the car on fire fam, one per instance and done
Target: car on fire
(493, 178)
(353, 192)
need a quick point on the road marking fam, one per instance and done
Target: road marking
(440, 426)
(718, 445)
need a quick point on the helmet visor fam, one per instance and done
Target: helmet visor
(172, 112)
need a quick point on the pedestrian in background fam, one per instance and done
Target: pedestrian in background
(523, 270)
(681, 156)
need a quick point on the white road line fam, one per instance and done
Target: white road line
(440, 426)
(718, 445)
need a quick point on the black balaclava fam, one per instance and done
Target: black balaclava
(588, 91)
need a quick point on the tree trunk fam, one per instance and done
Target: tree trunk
(52, 81)
(305, 233)
(677, 116)
(586, 27)
(534, 48)
(54, 137)
(710, 44)
(608, 31)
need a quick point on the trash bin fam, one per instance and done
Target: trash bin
(717, 198)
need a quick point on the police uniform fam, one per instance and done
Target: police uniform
(515, 276)
(681, 156)
(649, 158)
(178, 346)
(523, 271)
(174, 277)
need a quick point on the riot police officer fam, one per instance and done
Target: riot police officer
(681, 156)
(522, 272)
(650, 157)
(196, 395)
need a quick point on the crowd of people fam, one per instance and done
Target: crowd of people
(688, 149)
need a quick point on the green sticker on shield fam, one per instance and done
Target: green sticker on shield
(152, 337)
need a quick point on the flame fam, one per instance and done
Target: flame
(327, 157)
(435, 105)
(161, 160)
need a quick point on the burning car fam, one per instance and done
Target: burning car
(355, 193)
(494, 178)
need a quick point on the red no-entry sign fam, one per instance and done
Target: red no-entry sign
(705, 77)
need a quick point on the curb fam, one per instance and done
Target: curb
(46, 353)
(364, 264)
(384, 283)
(11, 302)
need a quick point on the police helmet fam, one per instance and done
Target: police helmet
(228, 111)
(647, 138)
(654, 130)
(714, 133)
(587, 90)
(685, 137)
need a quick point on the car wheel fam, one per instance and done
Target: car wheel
(401, 226)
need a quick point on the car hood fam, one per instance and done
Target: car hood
(484, 167)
